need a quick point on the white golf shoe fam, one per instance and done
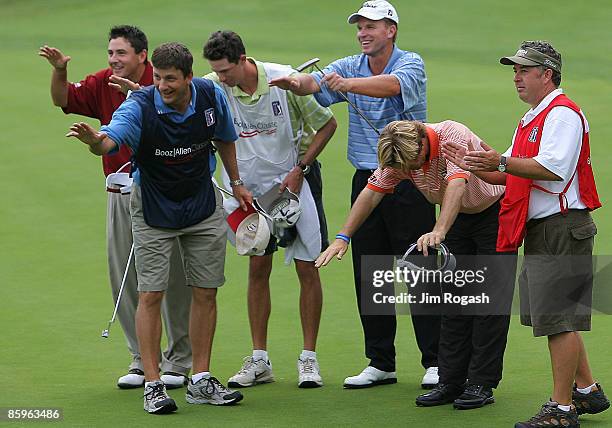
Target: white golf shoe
(133, 379)
(370, 376)
(253, 372)
(431, 378)
(308, 373)
(173, 380)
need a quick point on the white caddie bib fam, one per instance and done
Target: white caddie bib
(266, 149)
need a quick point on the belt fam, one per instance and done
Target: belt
(111, 190)
(535, 221)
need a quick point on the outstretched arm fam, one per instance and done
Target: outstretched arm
(99, 143)
(298, 83)
(488, 159)
(366, 202)
(59, 75)
(382, 86)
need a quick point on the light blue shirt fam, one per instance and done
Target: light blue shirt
(126, 125)
(410, 104)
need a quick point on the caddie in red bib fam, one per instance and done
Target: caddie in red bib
(550, 192)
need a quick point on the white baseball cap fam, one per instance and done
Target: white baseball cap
(375, 10)
(251, 229)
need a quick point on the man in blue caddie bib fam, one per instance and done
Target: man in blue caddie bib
(170, 128)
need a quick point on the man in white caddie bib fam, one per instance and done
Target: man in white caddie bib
(273, 125)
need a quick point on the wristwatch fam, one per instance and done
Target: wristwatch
(238, 182)
(502, 164)
(305, 168)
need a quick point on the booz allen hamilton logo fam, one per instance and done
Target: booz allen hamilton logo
(533, 135)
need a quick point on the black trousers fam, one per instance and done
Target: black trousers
(398, 221)
(472, 346)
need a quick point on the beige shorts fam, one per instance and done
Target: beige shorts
(202, 246)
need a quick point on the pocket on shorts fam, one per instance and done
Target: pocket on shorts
(583, 231)
(582, 238)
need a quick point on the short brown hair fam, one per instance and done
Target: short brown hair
(400, 142)
(174, 55)
(224, 44)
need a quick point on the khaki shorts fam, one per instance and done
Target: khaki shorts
(556, 281)
(202, 246)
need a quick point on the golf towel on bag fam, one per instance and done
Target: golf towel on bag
(307, 244)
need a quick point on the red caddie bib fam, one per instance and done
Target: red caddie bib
(515, 204)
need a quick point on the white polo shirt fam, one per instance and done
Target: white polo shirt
(559, 152)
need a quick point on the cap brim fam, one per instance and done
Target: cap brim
(511, 60)
(355, 17)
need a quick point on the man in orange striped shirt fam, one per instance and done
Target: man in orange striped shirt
(471, 346)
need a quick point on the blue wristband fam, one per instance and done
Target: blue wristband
(344, 238)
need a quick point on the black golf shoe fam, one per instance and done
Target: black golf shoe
(441, 394)
(473, 397)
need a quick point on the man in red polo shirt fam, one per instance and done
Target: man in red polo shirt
(472, 342)
(93, 97)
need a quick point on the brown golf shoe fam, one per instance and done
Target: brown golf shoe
(592, 403)
(550, 415)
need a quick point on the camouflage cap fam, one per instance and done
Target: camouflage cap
(531, 57)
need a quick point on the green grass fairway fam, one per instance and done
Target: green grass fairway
(54, 295)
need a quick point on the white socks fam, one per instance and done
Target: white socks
(260, 354)
(586, 390)
(564, 408)
(308, 354)
(197, 376)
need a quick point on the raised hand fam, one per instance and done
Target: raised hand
(455, 153)
(122, 84)
(481, 160)
(288, 83)
(84, 132)
(55, 57)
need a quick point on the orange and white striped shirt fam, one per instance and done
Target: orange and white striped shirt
(433, 177)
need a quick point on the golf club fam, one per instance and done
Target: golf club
(125, 273)
(448, 263)
(313, 62)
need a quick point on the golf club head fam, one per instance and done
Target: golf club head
(449, 262)
(105, 333)
(307, 64)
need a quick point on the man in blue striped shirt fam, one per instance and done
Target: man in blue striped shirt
(387, 84)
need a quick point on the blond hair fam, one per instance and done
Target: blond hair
(400, 142)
